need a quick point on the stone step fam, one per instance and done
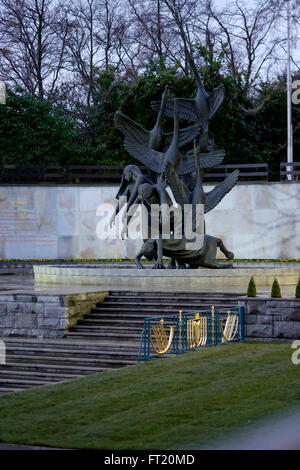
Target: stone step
(30, 350)
(169, 300)
(57, 369)
(123, 328)
(108, 338)
(115, 335)
(4, 389)
(69, 344)
(21, 383)
(109, 320)
(156, 300)
(15, 371)
(142, 311)
(115, 293)
(80, 361)
(121, 318)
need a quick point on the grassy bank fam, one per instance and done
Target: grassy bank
(179, 402)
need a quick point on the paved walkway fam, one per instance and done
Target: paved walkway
(4, 446)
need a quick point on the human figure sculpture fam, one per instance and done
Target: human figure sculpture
(131, 180)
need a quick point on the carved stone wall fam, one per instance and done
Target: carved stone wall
(38, 222)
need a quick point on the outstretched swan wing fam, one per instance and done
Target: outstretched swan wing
(131, 129)
(213, 197)
(148, 157)
(184, 136)
(186, 109)
(215, 100)
(209, 159)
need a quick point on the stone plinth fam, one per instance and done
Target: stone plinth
(165, 279)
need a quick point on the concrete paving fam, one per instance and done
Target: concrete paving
(4, 446)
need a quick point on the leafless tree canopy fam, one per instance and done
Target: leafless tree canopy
(55, 49)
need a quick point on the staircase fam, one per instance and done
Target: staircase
(108, 338)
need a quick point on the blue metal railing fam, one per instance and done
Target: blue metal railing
(175, 334)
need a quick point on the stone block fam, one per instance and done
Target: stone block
(68, 246)
(15, 307)
(259, 331)
(255, 306)
(250, 319)
(68, 197)
(272, 303)
(53, 323)
(25, 321)
(287, 329)
(3, 309)
(45, 199)
(51, 299)
(68, 224)
(25, 298)
(292, 314)
(275, 311)
(20, 332)
(33, 308)
(50, 311)
(6, 298)
(264, 319)
(8, 322)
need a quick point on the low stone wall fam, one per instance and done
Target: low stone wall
(270, 319)
(42, 315)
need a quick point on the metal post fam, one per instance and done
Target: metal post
(180, 328)
(213, 324)
(2, 92)
(242, 311)
(289, 97)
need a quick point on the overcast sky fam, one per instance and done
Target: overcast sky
(282, 23)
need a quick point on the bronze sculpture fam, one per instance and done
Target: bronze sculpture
(167, 168)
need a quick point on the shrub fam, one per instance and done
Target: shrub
(297, 294)
(275, 292)
(251, 291)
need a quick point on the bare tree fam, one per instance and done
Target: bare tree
(33, 45)
(93, 40)
(249, 38)
(153, 30)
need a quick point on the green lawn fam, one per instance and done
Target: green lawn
(176, 403)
